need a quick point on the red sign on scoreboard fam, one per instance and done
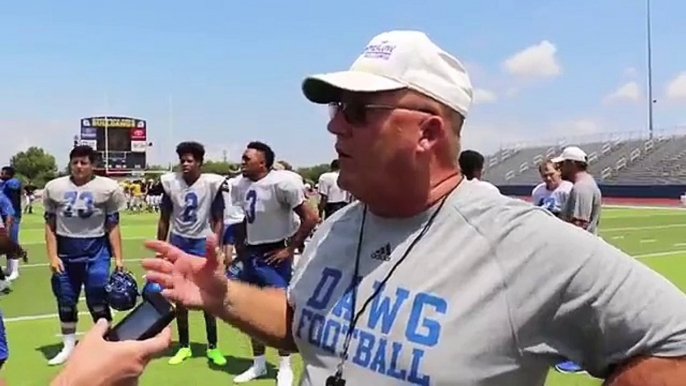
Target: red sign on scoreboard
(138, 134)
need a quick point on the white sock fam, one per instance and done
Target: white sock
(13, 266)
(260, 361)
(69, 341)
(285, 362)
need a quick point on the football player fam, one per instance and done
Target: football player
(272, 200)
(192, 209)
(13, 190)
(82, 236)
(7, 246)
(7, 217)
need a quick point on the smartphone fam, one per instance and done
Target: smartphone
(145, 321)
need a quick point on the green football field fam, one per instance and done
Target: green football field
(657, 237)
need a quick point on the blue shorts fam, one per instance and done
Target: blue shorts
(253, 269)
(4, 350)
(14, 230)
(91, 272)
(230, 234)
(195, 247)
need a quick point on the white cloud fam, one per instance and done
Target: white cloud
(628, 92)
(483, 96)
(630, 72)
(676, 89)
(538, 60)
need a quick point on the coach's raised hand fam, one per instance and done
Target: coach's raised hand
(197, 283)
(192, 281)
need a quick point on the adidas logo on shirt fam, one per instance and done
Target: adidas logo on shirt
(383, 253)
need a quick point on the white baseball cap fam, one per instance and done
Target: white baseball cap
(571, 153)
(398, 60)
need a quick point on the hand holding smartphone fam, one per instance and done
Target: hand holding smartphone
(145, 321)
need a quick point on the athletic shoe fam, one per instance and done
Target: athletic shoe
(216, 356)
(61, 357)
(5, 285)
(285, 376)
(181, 355)
(569, 367)
(252, 373)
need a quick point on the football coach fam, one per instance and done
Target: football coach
(429, 278)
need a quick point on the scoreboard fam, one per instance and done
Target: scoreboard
(120, 142)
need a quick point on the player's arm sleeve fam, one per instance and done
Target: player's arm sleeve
(323, 187)
(116, 202)
(166, 204)
(587, 301)
(218, 205)
(290, 192)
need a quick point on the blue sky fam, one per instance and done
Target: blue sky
(233, 69)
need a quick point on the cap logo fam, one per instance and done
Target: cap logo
(383, 50)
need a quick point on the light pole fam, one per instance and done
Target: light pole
(650, 72)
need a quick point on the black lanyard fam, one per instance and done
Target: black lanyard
(337, 379)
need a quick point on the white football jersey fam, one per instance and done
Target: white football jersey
(233, 213)
(268, 206)
(328, 186)
(81, 211)
(191, 206)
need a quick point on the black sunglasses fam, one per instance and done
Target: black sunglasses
(356, 113)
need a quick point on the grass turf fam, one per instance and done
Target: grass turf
(654, 236)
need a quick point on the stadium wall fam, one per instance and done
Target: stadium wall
(671, 192)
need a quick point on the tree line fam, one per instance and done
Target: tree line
(36, 166)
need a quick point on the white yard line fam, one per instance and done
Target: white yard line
(39, 317)
(644, 207)
(680, 245)
(648, 241)
(658, 254)
(627, 229)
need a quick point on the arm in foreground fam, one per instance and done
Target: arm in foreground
(650, 371)
(97, 362)
(262, 313)
(7, 245)
(201, 284)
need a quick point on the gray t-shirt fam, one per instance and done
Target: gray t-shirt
(495, 293)
(584, 202)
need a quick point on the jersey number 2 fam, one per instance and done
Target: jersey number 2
(88, 201)
(190, 209)
(251, 197)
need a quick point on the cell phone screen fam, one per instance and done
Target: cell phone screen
(137, 323)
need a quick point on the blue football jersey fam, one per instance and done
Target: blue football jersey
(6, 207)
(12, 189)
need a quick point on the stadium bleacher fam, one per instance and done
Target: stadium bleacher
(626, 158)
